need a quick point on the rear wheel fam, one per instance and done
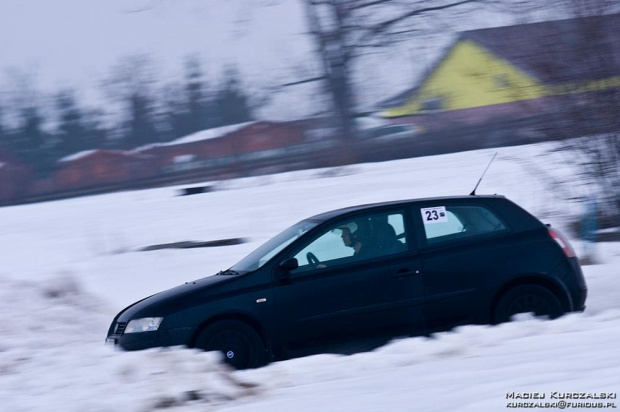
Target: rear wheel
(528, 299)
(240, 344)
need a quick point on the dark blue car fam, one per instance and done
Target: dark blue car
(367, 274)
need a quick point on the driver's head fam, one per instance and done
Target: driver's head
(346, 236)
(346, 232)
(353, 233)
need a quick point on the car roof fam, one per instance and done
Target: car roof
(338, 212)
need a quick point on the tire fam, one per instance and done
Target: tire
(527, 298)
(241, 346)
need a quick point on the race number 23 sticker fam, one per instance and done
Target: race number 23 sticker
(432, 215)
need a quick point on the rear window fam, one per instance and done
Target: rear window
(451, 223)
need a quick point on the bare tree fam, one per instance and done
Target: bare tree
(345, 30)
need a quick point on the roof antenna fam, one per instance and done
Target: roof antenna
(473, 192)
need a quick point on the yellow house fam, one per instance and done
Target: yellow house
(506, 65)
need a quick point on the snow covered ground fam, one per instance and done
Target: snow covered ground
(68, 266)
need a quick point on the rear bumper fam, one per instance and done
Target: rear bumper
(580, 304)
(569, 273)
(580, 293)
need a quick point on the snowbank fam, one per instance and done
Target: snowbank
(469, 369)
(52, 358)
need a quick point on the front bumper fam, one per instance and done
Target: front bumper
(155, 339)
(137, 341)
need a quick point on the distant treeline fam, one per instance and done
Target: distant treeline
(138, 110)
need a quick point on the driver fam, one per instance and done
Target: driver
(357, 236)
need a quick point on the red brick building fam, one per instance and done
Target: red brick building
(231, 150)
(238, 150)
(101, 168)
(15, 178)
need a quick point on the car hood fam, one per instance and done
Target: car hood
(175, 299)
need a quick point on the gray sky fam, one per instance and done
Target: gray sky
(76, 42)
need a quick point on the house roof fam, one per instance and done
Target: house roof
(76, 156)
(87, 153)
(546, 50)
(555, 51)
(198, 136)
(208, 134)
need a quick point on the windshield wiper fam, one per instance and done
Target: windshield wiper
(227, 272)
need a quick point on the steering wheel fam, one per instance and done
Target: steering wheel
(312, 259)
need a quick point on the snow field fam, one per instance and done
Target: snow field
(67, 267)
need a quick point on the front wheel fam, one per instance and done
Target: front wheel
(240, 344)
(525, 299)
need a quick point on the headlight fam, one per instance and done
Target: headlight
(143, 325)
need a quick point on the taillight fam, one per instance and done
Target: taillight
(566, 247)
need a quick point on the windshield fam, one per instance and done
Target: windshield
(263, 254)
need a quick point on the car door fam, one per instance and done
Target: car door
(344, 296)
(463, 244)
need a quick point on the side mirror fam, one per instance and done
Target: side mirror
(289, 264)
(284, 270)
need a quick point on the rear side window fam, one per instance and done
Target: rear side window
(451, 223)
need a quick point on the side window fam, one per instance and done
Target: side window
(449, 223)
(450, 226)
(353, 240)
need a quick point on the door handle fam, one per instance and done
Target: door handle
(405, 272)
